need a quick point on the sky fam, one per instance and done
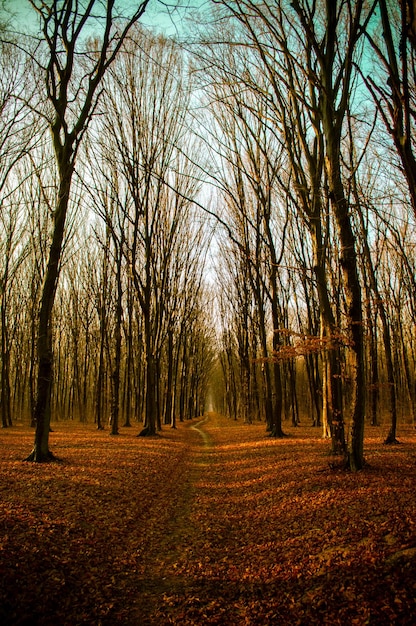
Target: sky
(20, 8)
(160, 16)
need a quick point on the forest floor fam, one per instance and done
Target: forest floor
(211, 523)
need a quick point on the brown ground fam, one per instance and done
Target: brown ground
(212, 523)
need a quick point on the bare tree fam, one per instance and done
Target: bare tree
(393, 83)
(72, 79)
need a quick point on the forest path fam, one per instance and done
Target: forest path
(164, 584)
(210, 559)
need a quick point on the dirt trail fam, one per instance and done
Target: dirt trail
(164, 584)
(201, 572)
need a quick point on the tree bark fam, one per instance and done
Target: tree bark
(333, 107)
(352, 287)
(41, 452)
(115, 375)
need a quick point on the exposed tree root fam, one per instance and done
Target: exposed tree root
(38, 457)
(146, 432)
(278, 435)
(391, 440)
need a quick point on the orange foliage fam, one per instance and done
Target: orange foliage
(212, 523)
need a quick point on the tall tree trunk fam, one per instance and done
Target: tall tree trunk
(150, 374)
(387, 342)
(5, 398)
(334, 99)
(352, 287)
(5, 392)
(332, 413)
(150, 415)
(129, 357)
(169, 379)
(276, 430)
(115, 375)
(41, 450)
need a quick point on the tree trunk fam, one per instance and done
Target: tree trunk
(348, 262)
(332, 413)
(129, 358)
(41, 452)
(150, 415)
(115, 376)
(169, 379)
(5, 398)
(333, 106)
(5, 395)
(276, 430)
(150, 374)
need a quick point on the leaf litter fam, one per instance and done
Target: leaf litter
(210, 523)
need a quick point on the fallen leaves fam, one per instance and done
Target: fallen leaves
(212, 523)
